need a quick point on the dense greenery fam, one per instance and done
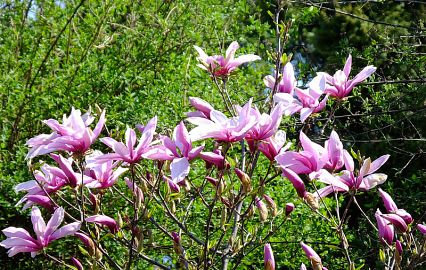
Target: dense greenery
(136, 59)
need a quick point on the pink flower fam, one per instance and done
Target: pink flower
(311, 159)
(306, 101)
(65, 171)
(223, 128)
(221, 66)
(393, 209)
(339, 86)
(127, 152)
(266, 125)
(105, 221)
(274, 145)
(335, 151)
(367, 178)
(269, 257)
(103, 175)
(312, 256)
(346, 179)
(35, 194)
(287, 83)
(386, 230)
(73, 135)
(19, 240)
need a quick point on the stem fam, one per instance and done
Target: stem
(134, 221)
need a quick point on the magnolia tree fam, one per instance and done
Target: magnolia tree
(146, 179)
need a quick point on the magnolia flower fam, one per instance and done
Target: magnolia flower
(311, 159)
(266, 125)
(221, 66)
(223, 128)
(65, 171)
(312, 256)
(19, 240)
(103, 175)
(386, 230)
(179, 151)
(393, 209)
(274, 145)
(339, 86)
(269, 257)
(287, 83)
(105, 221)
(306, 101)
(335, 152)
(35, 193)
(73, 135)
(127, 152)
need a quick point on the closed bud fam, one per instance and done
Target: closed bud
(312, 201)
(119, 220)
(263, 210)
(245, 180)
(271, 204)
(269, 257)
(173, 207)
(87, 241)
(316, 263)
(289, 207)
(98, 254)
(77, 263)
(250, 212)
(223, 217)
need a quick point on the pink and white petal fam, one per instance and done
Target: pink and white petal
(230, 52)
(66, 230)
(18, 249)
(305, 113)
(348, 65)
(201, 54)
(182, 139)
(376, 164)
(373, 180)
(38, 222)
(348, 160)
(364, 74)
(25, 186)
(147, 135)
(54, 221)
(17, 232)
(179, 169)
(269, 81)
(110, 142)
(244, 59)
(201, 105)
(99, 126)
(130, 141)
(195, 152)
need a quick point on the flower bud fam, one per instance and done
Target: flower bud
(177, 244)
(312, 201)
(289, 207)
(422, 228)
(223, 217)
(269, 257)
(245, 180)
(87, 241)
(263, 210)
(271, 204)
(77, 263)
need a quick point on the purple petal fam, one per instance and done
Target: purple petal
(387, 200)
(348, 64)
(104, 220)
(38, 222)
(66, 230)
(179, 169)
